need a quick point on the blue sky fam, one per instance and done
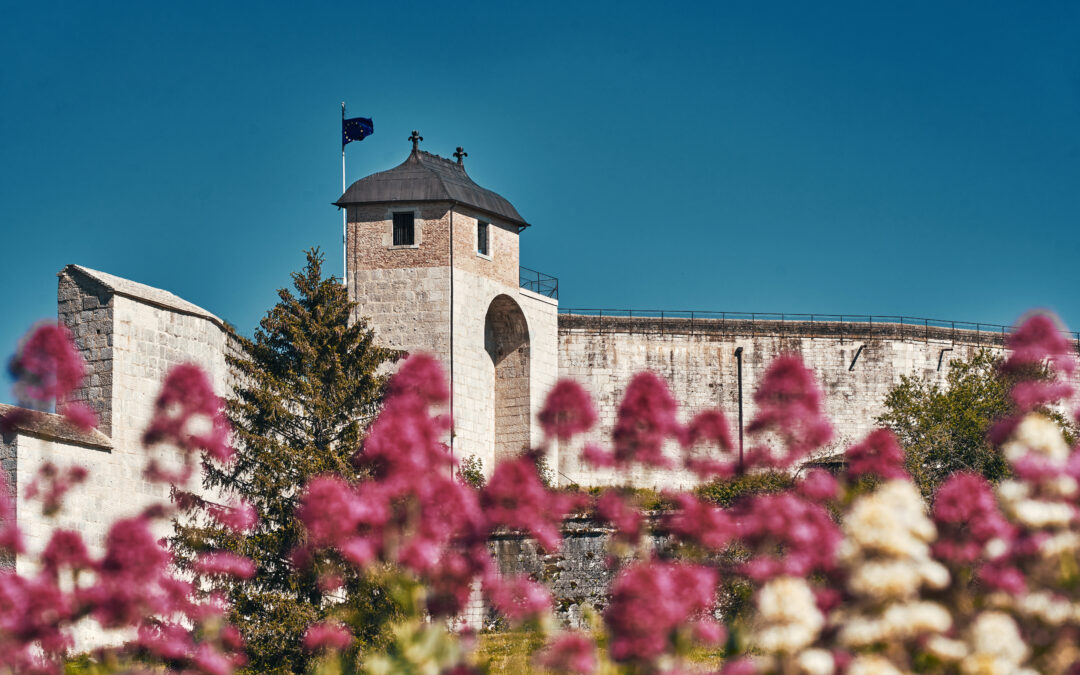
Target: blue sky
(902, 158)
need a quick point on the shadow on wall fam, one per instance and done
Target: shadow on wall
(506, 340)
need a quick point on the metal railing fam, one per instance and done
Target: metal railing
(538, 282)
(753, 324)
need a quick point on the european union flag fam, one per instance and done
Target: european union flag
(356, 129)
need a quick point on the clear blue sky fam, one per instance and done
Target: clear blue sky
(902, 158)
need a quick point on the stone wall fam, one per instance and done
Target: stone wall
(85, 307)
(130, 335)
(474, 370)
(856, 365)
(8, 483)
(501, 263)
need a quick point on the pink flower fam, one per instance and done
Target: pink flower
(223, 563)
(818, 486)
(186, 399)
(1003, 577)
(517, 598)
(52, 484)
(966, 512)
(129, 575)
(649, 601)
(596, 456)
(1034, 393)
(331, 511)
(646, 419)
(695, 521)
(709, 632)
(420, 375)
(789, 404)
(449, 582)
(327, 636)
(80, 415)
(239, 517)
(34, 612)
(166, 640)
(1040, 338)
(879, 455)
(47, 366)
(569, 653)
(708, 427)
(623, 515)
(211, 661)
(516, 498)
(788, 535)
(567, 411)
(65, 549)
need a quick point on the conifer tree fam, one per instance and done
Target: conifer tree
(306, 387)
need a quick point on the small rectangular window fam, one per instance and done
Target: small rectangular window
(482, 238)
(403, 229)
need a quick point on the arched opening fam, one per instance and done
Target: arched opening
(506, 339)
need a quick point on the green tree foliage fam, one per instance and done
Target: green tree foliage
(944, 429)
(306, 387)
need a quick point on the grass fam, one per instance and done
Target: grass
(510, 653)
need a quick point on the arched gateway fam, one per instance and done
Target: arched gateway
(506, 340)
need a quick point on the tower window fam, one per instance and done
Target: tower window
(482, 238)
(404, 229)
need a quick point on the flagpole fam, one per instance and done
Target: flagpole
(344, 210)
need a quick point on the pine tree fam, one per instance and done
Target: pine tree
(306, 387)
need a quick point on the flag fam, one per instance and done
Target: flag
(356, 129)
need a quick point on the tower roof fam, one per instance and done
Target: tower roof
(425, 177)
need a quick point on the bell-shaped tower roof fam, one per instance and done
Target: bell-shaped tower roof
(424, 177)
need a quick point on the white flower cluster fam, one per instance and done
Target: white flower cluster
(993, 647)
(872, 664)
(1046, 504)
(1040, 435)
(1045, 607)
(887, 549)
(789, 620)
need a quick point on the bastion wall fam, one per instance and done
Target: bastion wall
(856, 364)
(130, 335)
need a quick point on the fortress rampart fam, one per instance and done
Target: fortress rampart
(857, 361)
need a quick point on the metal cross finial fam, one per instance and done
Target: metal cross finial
(415, 138)
(461, 154)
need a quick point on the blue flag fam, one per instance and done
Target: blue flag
(356, 129)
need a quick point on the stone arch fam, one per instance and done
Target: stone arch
(506, 340)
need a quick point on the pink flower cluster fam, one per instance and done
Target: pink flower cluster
(878, 455)
(967, 516)
(789, 404)
(567, 412)
(47, 369)
(788, 536)
(435, 528)
(1040, 340)
(189, 416)
(51, 483)
(651, 602)
(645, 420)
(131, 585)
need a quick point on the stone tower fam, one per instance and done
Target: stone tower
(432, 260)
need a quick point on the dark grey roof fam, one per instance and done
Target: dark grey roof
(425, 177)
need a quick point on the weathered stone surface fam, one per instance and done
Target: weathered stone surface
(856, 365)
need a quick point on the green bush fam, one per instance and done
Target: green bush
(726, 491)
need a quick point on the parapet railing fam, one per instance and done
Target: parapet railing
(538, 282)
(754, 324)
